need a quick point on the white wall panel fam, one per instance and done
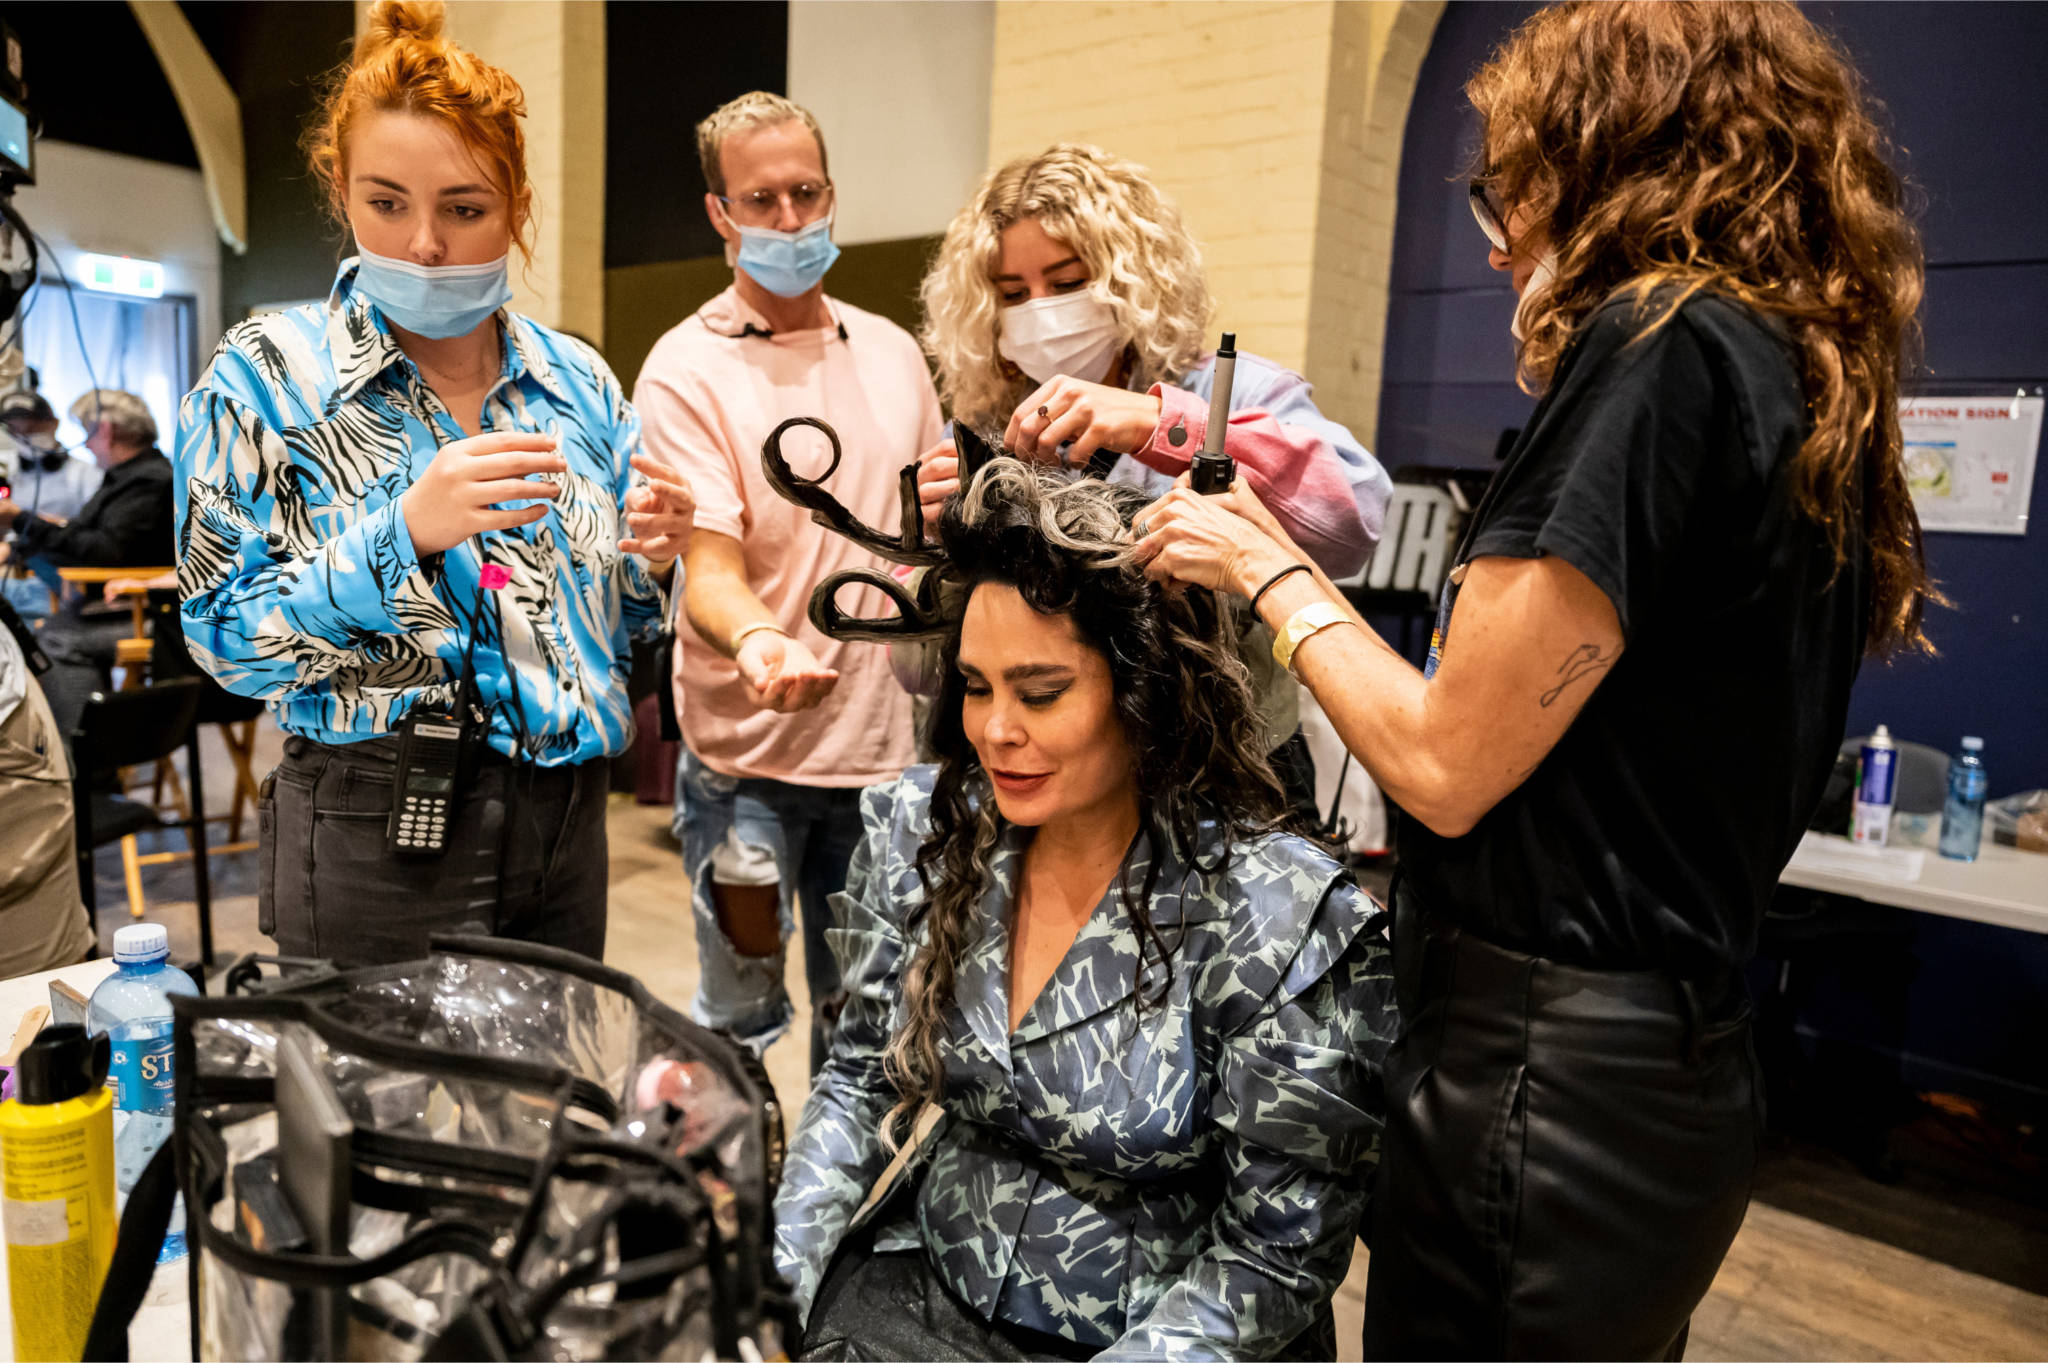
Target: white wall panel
(901, 89)
(90, 200)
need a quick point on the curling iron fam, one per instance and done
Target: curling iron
(1212, 471)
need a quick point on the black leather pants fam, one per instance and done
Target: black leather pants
(1568, 1154)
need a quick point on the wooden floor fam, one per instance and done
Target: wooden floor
(1792, 1288)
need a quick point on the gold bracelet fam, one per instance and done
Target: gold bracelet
(739, 635)
(1311, 619)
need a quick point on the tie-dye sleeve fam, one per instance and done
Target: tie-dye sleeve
(1297, 1095)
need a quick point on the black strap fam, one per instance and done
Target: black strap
(144, 1224)
(1274, 580)
(38, 661)
(664, 685)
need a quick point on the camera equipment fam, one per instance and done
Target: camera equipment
(17, 168)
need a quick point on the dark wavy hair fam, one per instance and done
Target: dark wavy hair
(1675, 148)
(1183, 699)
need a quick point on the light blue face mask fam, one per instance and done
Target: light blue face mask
(787, 264)
(437, 301)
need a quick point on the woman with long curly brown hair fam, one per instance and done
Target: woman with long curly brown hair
(1641, 668)
(1152, 1021)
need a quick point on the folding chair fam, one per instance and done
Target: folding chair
(125, 729)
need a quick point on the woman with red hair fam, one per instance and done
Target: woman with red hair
(409, 519)
(1641, 668)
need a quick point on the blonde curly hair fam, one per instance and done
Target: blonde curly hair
(1141, 260)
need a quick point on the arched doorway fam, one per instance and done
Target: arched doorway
(1448, 388)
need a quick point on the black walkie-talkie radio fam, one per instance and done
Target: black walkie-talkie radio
(433, 759)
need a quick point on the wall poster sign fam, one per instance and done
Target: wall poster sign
(1970, 461)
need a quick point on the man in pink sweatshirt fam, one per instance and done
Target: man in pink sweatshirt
(782, 726)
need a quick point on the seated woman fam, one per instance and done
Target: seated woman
(1151, 1024)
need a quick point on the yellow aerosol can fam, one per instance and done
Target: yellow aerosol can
(57, 1165)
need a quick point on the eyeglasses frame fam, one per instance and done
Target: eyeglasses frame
(1491, 221)
(782, 197)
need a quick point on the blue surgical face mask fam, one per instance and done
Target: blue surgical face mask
(787, 264)
(438, 301)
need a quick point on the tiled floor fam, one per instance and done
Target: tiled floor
(1791, 1288)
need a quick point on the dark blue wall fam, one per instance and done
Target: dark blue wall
(1949, 1004)
(1962, 92)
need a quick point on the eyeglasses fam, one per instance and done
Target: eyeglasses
(763, 207)
(1492, 221)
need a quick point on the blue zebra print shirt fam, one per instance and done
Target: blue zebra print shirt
(299, 577)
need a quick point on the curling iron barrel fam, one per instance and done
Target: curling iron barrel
(1212, 471)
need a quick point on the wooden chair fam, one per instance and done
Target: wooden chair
(95, 579)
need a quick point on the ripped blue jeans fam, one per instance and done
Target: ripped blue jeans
(810, 832)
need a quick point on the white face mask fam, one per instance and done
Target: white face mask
(1540, 280)
(1072, 334)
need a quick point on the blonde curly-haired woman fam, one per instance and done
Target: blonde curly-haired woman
(1069, 308)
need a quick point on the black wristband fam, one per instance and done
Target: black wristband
(1274, 580)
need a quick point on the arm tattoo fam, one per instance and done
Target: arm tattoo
(1584, 660)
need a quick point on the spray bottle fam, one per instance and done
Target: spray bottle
(57, 1165)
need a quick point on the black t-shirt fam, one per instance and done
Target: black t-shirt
(1652, 834)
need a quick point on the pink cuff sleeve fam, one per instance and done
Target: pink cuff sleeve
(1293, 470)
(1183, 424)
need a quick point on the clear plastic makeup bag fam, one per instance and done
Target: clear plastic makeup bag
(501, 1151)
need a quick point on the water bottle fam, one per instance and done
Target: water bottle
(1962, 816)
(133, 1007)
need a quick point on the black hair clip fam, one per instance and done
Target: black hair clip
(920, 610)
(975, 452)
(906, 546)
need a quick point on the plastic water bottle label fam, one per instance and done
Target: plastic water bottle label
(141, 1074)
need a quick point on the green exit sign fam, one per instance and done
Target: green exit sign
(121, 274)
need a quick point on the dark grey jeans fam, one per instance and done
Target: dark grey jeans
(526, 858)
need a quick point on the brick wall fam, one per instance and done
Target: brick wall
(1376, 52)
(1269, 121)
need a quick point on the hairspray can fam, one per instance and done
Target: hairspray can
(1877, 782)
(57, 1164)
